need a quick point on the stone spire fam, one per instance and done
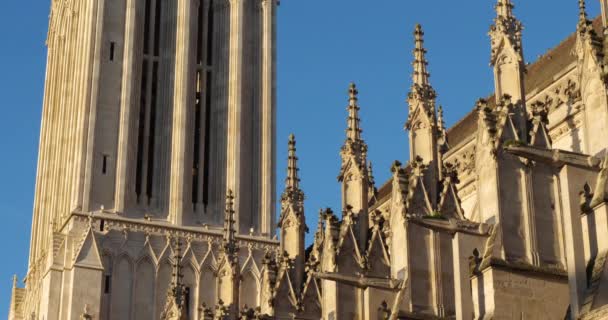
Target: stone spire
(353, 132)
(354, 150)
(229, 240)
(292, 221)
(293, 181)
(175, 306)
(585, 28)
(421, 75)
(583, 20)
(292, 200)
(422, 95)
(228, 290)
(422, 119)
(353, 174)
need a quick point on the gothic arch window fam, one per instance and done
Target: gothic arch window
(144, 289)
(204, 84)
(249, 290)
(122, 286)
(189, 280)
(148, 100)
(163, 280)
(207, 286)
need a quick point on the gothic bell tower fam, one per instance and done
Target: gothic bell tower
(153, 111)
(156, 108)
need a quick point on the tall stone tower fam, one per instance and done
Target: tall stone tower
(153, 110)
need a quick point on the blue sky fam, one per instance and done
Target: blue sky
(323, 45)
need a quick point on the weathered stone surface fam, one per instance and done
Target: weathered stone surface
(149, 212)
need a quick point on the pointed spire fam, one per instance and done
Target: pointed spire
(421, 75)
(175, 305)
(229, 224)
(293, 180)
(353, 132)
(422, 95)
(15, 281)
(292, 199)
(354, 148)
(587, 34)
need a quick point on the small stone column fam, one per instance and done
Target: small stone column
(129, 109)
(268, 152)
(235, 108)
(180, 197)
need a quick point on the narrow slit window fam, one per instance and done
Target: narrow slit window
(112, 50)
(187, 300)
(104, 165)
(106, 287)
(102, 225)
(207, 138)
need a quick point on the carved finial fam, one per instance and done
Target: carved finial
(15, 281)
(321, 218)
(540, 113)
(370, 174)
(396, 166)
(504, 8)
(481, 104)
(353, 132)
(440, 119)
(442, 137)
(506, 31)
(329, 217)
(293, 180)
(582, 13)
(421, 75)
(319, 233)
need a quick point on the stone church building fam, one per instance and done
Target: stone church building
(155, 194)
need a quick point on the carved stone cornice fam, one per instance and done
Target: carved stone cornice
(114, 222)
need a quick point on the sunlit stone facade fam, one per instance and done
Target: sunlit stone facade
(155, 189)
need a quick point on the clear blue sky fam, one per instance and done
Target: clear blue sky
(323, 45)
